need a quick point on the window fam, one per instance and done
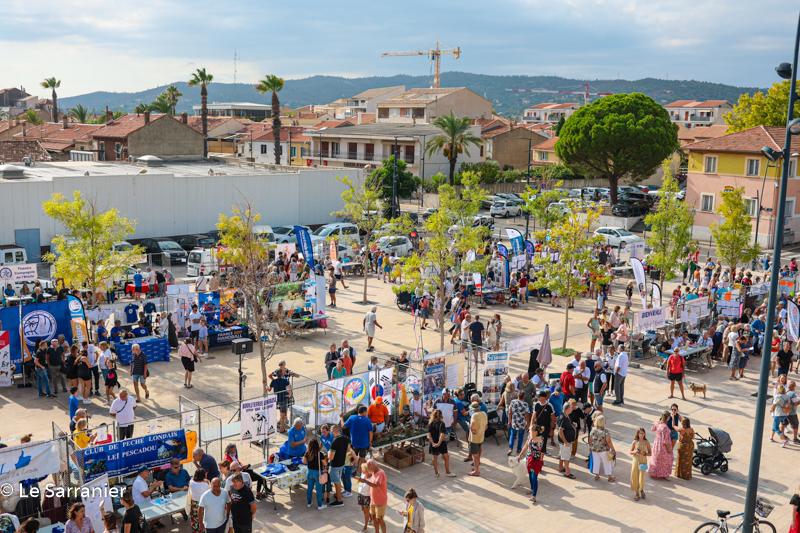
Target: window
(710, 164)
(789, 208)
(118, 150)
(750, 206)
(369, 151)
(409, 156)
(9, 257)
(293, 152)
(405, 112)
(383, 112)
(793, 168)
(543, 156)
(419, 112)
(263, 148)
(707, 203)
(303, 151)
(752, 167)
(19, 257)
(334, 149)
(349, 230)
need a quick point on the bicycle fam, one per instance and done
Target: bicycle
(721, 526)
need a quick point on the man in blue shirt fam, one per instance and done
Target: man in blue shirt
(74, 405)
(360, 428)
(295, 445)
(137, 280)
(177, 478)
(116, 331)
(102, 332)
(202, 460)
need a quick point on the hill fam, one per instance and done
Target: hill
(510, 94)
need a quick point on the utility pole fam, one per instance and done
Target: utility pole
(395, 150)
(527, 213)
(422, 171)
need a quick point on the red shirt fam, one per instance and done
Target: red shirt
(675, 364)
(567, 382)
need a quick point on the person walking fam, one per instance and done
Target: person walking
(414, 513)
(602, 450)
(567, 433)
(660, 465)
(85, 376)
(683, 466)
(315, 461)
(337, 458)
(378, 494)
(676, 366)
(640, 451)
(369, 324)
(674, 423)
(108, 367)
(214, 508)
(534, 457)
(122, 411)
(437, 439)
(139, 371)
(544, 417)
(520, 415)
(188, 355)
(620, 373)
(242, 505)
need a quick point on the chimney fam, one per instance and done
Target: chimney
(147, 117)
(24, 128)
(65, 122)
(109, 115)
(184, 118)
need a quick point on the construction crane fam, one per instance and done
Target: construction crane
(585, 93)
(434, 54)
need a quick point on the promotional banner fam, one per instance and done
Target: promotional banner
(329, 401)
(433, 375)
(697, 307)
(530, 248)
(131, 455)
(758, 289)
(29, 461)
(77, 315)
(494, 373)
(517, 248)
(476, 279)
(208, 304)
(6, 371)
(636, 249)
(259, 417)
(321, 295)
(380, 385)
(304, 242)
(647, 319)
(287, 248)
(793, 325)
(502, 250)
(18, 273)
(655, 294)
(95, 494)
(355, 391)
(40, 322)
(641, 280)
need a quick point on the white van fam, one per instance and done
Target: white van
(11, 254)
(202, 262)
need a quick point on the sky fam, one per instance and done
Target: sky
(122, 45)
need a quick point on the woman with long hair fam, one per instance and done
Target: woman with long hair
(197, 487)
(85, 376)
(660, 465)
(437, 439)
(78, 521)
(315, 461)
(534, 457)
(640, 451)
(172, 332)
(71, 366)
(683, 466)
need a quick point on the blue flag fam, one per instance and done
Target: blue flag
(502, 250)
(530, 248)
(304, 242)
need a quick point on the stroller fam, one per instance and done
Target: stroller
(709, 453)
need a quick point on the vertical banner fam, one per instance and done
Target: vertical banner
(793, 329)
(433, 381)
(494, 373)
(530, 249)
(641, 280)
(321, 295)
(476, 278)
(209, 304)
(6, 371)
(502, 250)
(95, 494)
(259, 417)
(332, 251)
(304, 242)
(517, 248)
(380, 385)
(655, 294)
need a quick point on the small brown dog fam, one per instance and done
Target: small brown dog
(696, 387)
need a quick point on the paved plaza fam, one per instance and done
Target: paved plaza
(487, 503)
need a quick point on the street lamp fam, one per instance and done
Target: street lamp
(772, 156)
(785, 71)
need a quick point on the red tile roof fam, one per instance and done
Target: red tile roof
(328, 124)
(196, 122)
(747, 141)
(55, 133)
(547, 145)
(297, 135)
(121, 127)
(551, 105)
(14, 151)
(701, 133)
(697, 103)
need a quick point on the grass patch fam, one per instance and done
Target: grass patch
(564, 352)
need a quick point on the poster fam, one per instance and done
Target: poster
(476, 279)
(287, 248)
(433, 381)
(648, 319)
(494, 373)
(517, 248)
(29, 461)
(130, 455)
(354, 391)
(259, 417)
(447, 413)
(18, 273)
(636, 249)
(6, 371)
(329, 401)
(451, 376)
(321, 295)
(291, 294)
(786, 285)
(697, 307)
(380, 384)
(94, 494)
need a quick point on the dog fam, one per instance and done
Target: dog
(696, 387)
(520, 471)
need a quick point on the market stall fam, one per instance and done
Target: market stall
(131, 289)
(154, 348)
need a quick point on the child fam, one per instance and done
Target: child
(363, 497)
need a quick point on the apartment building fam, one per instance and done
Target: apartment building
(424, 105)
(693, 113)
(363, 102)
(548, 112)
(237, 109)
(295, 146)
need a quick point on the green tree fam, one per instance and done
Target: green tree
(449, 236)
(80, 113)
(362, 206)
(248, 259)
(732, 235)
(559, 125)
(84, 254)
(201, 78)
(161, 105)
(454, 139)
(274, 84)
(52, 84)
(383, 176)
(32, 117)
(537, 205)
(617, 136)
(670, 228)
(489, 171)
(171, 95)
(760, 108)
(573, 241)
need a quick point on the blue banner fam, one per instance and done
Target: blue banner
(517, 242)
(132, 455)
(208, 303)
(304, 242)
(40, 322)
(502, 250)
(530, 248)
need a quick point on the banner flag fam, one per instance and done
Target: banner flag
(33, 323)
(502, 250)
(641, 280)
(29, 461)
(794, 321)
(304, 242)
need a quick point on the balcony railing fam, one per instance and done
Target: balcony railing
(352, 155)
(700, 118)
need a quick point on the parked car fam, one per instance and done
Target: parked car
(284, 234)
(190, 242)
(202, 261)
(511, 197)
(341, 231)
(483, 220)
(616, 235)
(561, 207)
(426, 214)
(628, 209)
(160, 249)
(489, 200)
(505, 208)
(575, 193)
(264, 233)
(398, 245)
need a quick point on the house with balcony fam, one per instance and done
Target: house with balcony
(735, 160)
(549, 113)
(369, 144)
(237, 109)
(417, 106)
(694, 113)
(363, 102)
(544, 153)
(295, 146)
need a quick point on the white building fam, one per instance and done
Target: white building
(237, 109)
(424, 105)
(549, 113)
(171, 199)
(691, 113)
(363, 102)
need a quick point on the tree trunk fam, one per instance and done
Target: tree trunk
(263, 356)
(566, 325)
(441, 313)
(204, 117)
(452, 171)
(366, 275)
(613, 181)
(276, 132)
(55, 106)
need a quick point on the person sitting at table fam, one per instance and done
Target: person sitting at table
(141, 330)
(177, 478)
(25, 290)
(296, 439)
(232, 456)
(8, 292)
(142, 488)
(117, 331)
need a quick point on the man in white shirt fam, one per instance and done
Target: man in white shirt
(92, 354)
(122, 410)
(582, 377)
(142, 488)
(733, 337)
(214, 507)
(620, 373)
(417, 408)
(194, 323)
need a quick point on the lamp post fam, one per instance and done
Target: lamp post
(528, 179)
(785, 71)
(772, 156)
(395, 152)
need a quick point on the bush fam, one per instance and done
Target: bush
(489, 171)
(433, 184)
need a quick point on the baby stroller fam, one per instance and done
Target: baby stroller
(709, 453)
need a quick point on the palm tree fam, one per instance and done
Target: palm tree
(454, 139)
(32, 117)
(53, 84)
(273, 83)
(80, 113)
(203, 79)
(141, 108)
(161, 104)
(172, 95)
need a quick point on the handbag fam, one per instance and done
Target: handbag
(643, 467)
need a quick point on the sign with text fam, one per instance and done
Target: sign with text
(131, 455)
(259, 417)
(18, 273)
(647, 319)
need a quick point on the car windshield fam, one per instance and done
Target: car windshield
(205, 242)
(623, 232)
(323, 231)
(195, 257)
(281, 229)
(123, 247)
(169, 245)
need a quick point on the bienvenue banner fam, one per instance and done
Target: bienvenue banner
(650, 318)
(131, 455)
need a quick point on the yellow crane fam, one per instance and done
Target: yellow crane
(434, 54)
